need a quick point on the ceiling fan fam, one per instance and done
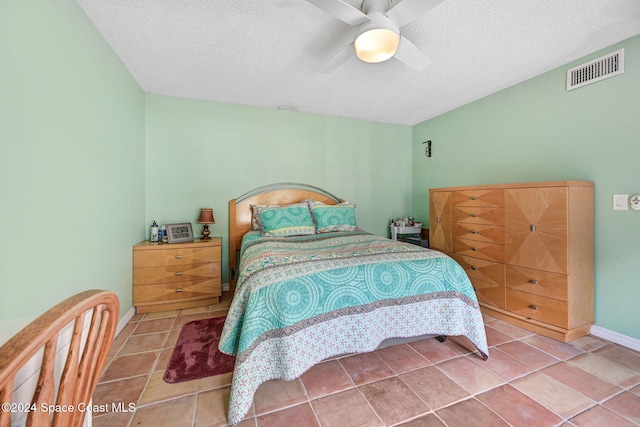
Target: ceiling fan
(378, 35)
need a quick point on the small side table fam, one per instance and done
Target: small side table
(395, 231)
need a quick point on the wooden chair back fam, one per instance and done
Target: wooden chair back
(91, 318)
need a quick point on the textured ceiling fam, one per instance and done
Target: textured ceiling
(266, 52)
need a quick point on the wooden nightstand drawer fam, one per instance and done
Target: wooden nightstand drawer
(171, 256)
(175, 273)
(543, 309)
(169, 292)
(539, 282)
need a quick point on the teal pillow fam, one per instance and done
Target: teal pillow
(291, 220)
(331, 218)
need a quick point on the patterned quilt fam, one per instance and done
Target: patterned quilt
(300, 300)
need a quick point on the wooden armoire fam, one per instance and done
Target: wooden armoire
(527, 248)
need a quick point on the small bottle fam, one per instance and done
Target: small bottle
(154, 232)
(162, 237)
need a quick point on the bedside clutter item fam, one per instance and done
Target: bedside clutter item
(206, 218)
(179, 233)
(154, 233)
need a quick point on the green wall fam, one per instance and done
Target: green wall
(71, 159)
(537, 131)
(203, 154)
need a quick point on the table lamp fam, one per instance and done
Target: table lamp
(206, 218)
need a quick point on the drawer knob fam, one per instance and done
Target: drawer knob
(532, 228)
(474, 268)
(438, 220)
(474, 215)
(533, 307)
(178, 256)
(533, 282)
(179, 290)
(474, 198)
(473, 248)
(178, 273)
(474, 232)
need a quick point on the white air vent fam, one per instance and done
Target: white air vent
(600, 68)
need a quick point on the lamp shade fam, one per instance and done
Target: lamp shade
(206, 217)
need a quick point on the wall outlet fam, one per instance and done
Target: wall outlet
(620, 202)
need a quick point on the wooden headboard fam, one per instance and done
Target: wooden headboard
(274, 194)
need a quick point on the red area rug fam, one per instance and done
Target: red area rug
(196, 353)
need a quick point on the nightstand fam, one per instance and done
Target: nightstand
(178, 275)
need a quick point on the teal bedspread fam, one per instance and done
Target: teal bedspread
(300, 300)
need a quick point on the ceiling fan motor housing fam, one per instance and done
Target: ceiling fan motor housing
(378, 39)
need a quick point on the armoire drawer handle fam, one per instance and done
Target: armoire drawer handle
(533, 282)
(473, 248)
(474, 268)
(179, 290)
(178, 273)
(532, 228)
(474, 232)
(438, 220)
(178, 256)
(474, 198)
(533, 307)
(474, 215)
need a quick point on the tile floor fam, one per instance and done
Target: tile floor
(529, 380)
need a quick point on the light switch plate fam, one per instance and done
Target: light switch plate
(620, 202)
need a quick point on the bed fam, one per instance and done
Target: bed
(304, 296)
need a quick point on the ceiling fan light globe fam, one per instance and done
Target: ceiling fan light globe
(376, 45)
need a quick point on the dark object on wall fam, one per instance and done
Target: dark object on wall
(427, 151)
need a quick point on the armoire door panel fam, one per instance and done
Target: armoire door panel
(440, 221)
(536, 226)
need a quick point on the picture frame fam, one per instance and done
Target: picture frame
(179, 233)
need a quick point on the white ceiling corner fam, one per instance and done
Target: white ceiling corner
(266, 53)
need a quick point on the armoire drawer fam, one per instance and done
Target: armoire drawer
(489, 293)
(479, 198)
(483, 250)
(543, 309)
(538, 282)
(479, 232)
(481, 269)
(474, 215)
(175, 256)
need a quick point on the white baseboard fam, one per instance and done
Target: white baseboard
(125, 319)
(629, 342)
(225, 287)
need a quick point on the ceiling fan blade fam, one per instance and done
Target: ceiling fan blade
(411, 55)
(343, 11)
(345, 53)
(408, 10)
